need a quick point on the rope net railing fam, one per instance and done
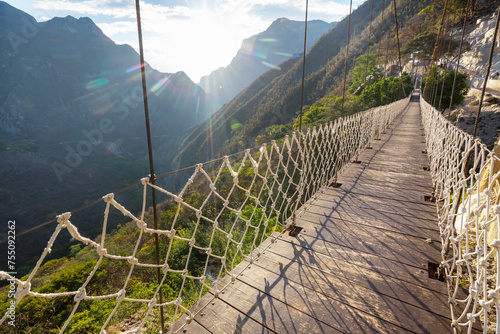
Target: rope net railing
(220, 217)
(466, 180)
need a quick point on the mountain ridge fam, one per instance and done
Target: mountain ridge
(266, 50)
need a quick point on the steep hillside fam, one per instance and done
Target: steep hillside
(274, 98)
(266, 50)
(72, 119)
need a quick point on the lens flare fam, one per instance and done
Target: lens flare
(97, 84)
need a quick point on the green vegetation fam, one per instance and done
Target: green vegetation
(266, 110)
(48, 315)
(365, 74)
(436, 79)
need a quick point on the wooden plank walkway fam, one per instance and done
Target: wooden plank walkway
(360, 263)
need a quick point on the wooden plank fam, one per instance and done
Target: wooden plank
(281, 316)
(399, 181)
(340, 316)
(385, 216)
(416, 274)
(388, 166)
(335, 194)
(368, 171)
(383, 192)
(194, 328)
(349, 217)
(340, 202)
(221, 317)
(332, 270)
(367, 301)
(389, 245)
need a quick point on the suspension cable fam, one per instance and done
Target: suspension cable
(446, 60)
(441, 48)
(466, 12)
(346, 56)
(303, 69)
(380, 31)
(435, 48)
(369, 37)
(152, 176)
(399, 51)
(492, 51)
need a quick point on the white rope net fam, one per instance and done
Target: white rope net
(466, 178)
(220, 217)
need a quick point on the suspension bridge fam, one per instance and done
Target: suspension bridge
(384, 221)
(362, 257)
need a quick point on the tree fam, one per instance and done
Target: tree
(365, 73)
(435, 80)
(385, 91)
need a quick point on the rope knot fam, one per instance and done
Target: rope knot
(63, 218)
(495, 243)
(496, 209)
(101, 251)
(80, 295)
(144, 180)
(165, 269)
(178, 301)
(108, 198)
(121, 295)
(484, 305)
(487, 192)
(141, 224)
(132, 260)
(493, 294)
(22, 290)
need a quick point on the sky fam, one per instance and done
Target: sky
(194, 36)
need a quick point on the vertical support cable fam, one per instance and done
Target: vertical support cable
(435, 48)
(446, 64)
(303, 69)
(369, 37)
(346, 56)
(152, 176)
(387, 51)
(399, 51)
(459, 53)
(441, 48)
(492, 51)
(380, 31)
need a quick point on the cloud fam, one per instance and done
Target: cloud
(196, 36)
(113, 28)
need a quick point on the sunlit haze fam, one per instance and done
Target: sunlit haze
(196, 36)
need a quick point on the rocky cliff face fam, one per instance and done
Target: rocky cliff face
(283, 40)
(474, 62)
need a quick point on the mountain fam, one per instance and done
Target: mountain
(283, 39)
(72, 118)
(274, 98)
